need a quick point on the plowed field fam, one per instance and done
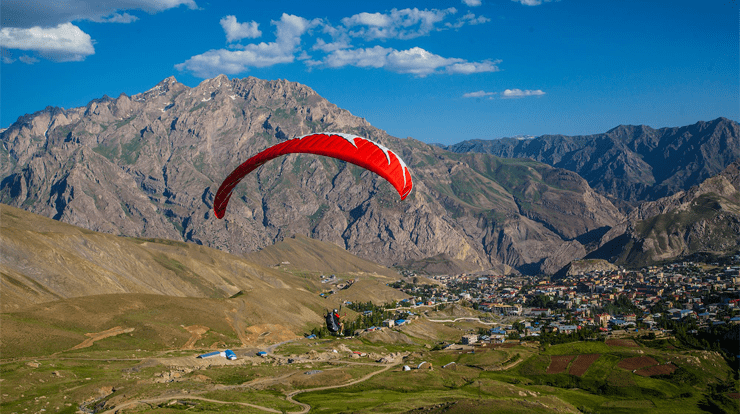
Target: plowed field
(634, 363)
(559, 363)
(582, 362)
(656, 370)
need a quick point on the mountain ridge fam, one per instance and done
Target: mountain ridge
(148, 166)
(704, 219)
(630, 163)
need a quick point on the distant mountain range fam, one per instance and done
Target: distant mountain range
(630, 164)
(148, 166)
(703, 220)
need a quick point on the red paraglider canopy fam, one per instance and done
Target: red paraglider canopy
(353, 149)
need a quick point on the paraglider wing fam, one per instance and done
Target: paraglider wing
(351, 148)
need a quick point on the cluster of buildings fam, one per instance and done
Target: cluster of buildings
(601, 300)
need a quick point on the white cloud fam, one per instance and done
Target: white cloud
(372, 57)
(478, 94)
(416, 61)
(472, 3)
(45, 26)
(50, 13)
(119, 18)
(289, 31)
(466, 68)
(533, 2)
(470, 19)
(518, 93)
(397, 24)
(237, 31)
(28, 60)
(63, 43)
(338, 51)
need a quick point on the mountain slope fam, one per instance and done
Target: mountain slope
(44, 260)
(630, 163)
(149, 165)
(704, 219)
(312, 255)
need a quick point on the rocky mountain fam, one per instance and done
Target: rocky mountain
(630, 163)
(704, 219)
(148, 165)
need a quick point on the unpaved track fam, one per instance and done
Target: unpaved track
(466, 319)
(96, 336)
(159, 400)
(305, 407)
(289, 397)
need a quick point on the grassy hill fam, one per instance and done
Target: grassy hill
(313, 255)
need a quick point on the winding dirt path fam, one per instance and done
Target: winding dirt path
(305, 407)
(289, 397)
(468, 319)
(158, 400)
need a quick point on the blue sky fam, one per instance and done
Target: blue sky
(452, 70)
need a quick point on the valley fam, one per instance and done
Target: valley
(129, 352)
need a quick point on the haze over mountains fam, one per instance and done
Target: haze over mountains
(148, 166)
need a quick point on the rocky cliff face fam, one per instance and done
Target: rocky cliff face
(148, 166)
(703, 219)
(630, 163)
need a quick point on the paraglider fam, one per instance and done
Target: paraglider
(333, 322)
(350, 148)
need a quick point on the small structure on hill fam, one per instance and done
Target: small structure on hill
(469, 339)
(228, 354)
(425, 365)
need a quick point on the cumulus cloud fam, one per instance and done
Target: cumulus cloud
(518, 93)
(45, 26)
(28, 60)
(63, 43)
(334, 49)
(472, 3)
(478, 94)
(49, 13)
(238, 31)
(415, 60)
(396, 24)
(118, 18)
(288, 37)
(466, 68)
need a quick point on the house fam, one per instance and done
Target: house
(567, 329)
(389, 323)
(539, 312)
(469, 339)
(602, 319)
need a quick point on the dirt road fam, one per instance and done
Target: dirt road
(304, 408)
